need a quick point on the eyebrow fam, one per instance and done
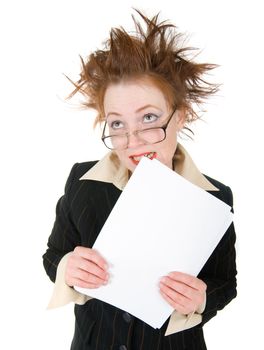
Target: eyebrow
(138, 110)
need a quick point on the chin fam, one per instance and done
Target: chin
(131, 167)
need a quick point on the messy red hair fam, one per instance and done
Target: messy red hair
(155, 54)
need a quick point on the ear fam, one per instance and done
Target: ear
(181, 118)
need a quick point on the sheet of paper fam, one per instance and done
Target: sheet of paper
(160, 223)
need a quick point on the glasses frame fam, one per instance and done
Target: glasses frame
(135, 132)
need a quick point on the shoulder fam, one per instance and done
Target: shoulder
(74, 185)
(224, 193)
(77, 171)
(88, 195)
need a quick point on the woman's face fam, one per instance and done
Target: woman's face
(131, 106)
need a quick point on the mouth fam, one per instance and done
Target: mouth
(137, 157)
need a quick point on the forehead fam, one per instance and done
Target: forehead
(128, 97)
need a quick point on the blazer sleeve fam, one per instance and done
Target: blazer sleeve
(64, 236)
(219, 272)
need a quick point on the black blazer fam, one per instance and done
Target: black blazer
(80, 214)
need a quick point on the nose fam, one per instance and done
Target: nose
(133, 140)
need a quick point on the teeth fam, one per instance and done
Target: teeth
(148, 155)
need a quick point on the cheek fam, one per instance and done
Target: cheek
(170, 144)
(171, 141)
(125, 161)
(120, 156)
(166, 151)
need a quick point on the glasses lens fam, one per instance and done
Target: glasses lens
(152, 135)
(120, 141)
(116, 141)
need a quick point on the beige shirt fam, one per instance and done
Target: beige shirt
(109, 169)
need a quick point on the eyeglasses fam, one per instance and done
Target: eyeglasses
(148, 136)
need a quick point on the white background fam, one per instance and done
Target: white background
(42, 136)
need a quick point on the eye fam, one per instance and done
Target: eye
(116, 124)
(150, 118)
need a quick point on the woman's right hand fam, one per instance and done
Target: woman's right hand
(86, 269)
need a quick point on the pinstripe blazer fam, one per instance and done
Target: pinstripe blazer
(80, 215)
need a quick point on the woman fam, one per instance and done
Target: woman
(143, 87)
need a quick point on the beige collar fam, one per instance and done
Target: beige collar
(109, 169)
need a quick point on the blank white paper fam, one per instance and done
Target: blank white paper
(160, 223)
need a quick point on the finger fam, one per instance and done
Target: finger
(179, 287)
(176, 306)
(189, 280)
(76, 282)
(191, 301)
(92, 255)
(89, 277)
(87, 271)
(175, 296)
(94, 269)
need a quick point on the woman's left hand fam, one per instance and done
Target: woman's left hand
(185, 293)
